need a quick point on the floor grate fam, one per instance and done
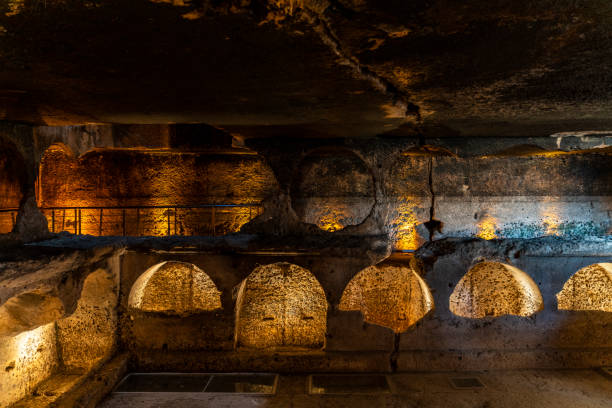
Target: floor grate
(243, 383)
(163, 382)
(466, 383)
(348, 384)
(247, 383)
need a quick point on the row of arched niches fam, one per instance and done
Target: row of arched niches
(284, 305)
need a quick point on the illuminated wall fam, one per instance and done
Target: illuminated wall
(588, 289)
(392, 296)
(174, 288)
(29, 310)
(26, 360)
(491, 289)
(87, 337)
(527, 196)
(332, 189)
(281, 306)
(12, 181)
(163, 178)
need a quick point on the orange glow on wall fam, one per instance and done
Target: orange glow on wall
(551, 221)
(407, 237)
(487, 227)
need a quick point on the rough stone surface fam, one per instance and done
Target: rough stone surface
(26, 360)
(588, 289)
(174, 288)
(332, 190)
(89, 335)
(118, 178)
(392, 296)
(27, 311)
(281, 305)
(495, 289)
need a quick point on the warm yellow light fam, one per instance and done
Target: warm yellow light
(27, 344)
(407, 237)
(551, 221)
(486, 228)
(330, 222)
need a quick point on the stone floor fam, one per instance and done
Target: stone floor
(502, 389)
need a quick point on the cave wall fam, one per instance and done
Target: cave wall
(438, 340)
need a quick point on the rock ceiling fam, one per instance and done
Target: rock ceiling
(317, 68)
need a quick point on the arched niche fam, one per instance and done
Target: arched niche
(588, 289)
(332, 189)
(88, 335)
(174, 288)
(495, 289)
(281, 305)
(393, 296)
(12, 182)
(28, 311)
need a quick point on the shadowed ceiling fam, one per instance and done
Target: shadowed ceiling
(317, 68)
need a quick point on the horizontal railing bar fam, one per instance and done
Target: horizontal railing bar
(135, 207)
(8, 209)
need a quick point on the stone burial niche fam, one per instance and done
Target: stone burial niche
(184, 249)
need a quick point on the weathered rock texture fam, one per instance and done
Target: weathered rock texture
(332, 189)
(26, 359)
(29, 310)
(281, 306)
(124, 178)
(175, 288)
(588, 289)
(495, 289)
(88, 336)
(392, 296)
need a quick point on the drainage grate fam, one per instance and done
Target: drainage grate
(163, 382)
(466, 383)
(243, 383)
(249, 383)
(348, 384)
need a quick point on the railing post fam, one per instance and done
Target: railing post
(80, 224)
(168, 217)
(52, 220)
(213, 221)
(100, 226)
(123, 220)
(75, 222)
(137, 221)
(174, 220)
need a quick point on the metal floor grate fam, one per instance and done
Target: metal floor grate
(242, 383)
(348, 384)
(466, 383)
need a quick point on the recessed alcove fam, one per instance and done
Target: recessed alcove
(493, 289)
(590, 288)
(281, 306)
(174, 288)
(393, 296)
(332, 188)
(29, 310)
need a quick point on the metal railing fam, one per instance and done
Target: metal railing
(8, 219)
(206, 219)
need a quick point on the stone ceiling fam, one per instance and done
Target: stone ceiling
(316, 68)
